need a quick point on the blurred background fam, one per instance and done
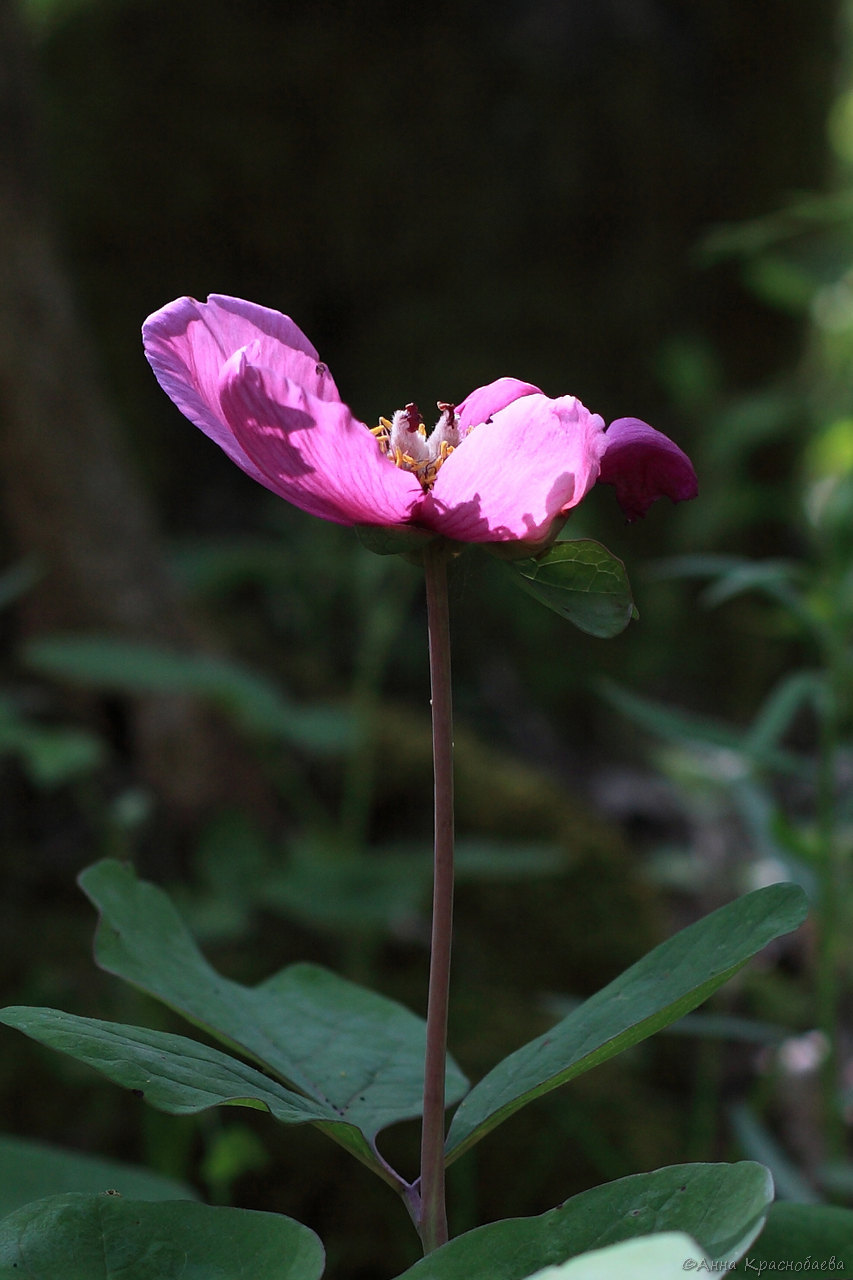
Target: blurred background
(639, 202)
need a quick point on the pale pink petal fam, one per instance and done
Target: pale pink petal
(510, 478)
(485, 402)
(188, 342)
(643, 465)
(311, 452)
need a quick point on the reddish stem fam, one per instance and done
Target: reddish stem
(432, 1224)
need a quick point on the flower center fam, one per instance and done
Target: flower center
(405, 440)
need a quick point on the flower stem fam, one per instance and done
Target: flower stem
(432, 1225)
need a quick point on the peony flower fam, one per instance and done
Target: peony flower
(505, 465)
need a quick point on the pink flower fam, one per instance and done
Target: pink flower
(502, 466)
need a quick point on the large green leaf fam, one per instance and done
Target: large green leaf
(657, 1257)
(721, 1206)
(103, 1237)
(819, 1235)
(171, 1072)
(32, 1170)
(667, 983)
(336, 1042)
(583, 582)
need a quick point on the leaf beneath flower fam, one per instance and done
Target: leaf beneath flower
(583, 582)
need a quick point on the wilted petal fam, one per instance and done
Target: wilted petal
(510, 478)
(311, 452)
(188, 342)
(643, 465)
(485, 402)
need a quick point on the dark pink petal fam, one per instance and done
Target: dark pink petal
(643, 465)
(309, 451)
(188, 342)
(510, 478)
(485, 402)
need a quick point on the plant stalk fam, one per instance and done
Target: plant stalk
(432, 1224)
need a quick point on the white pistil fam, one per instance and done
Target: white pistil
(405, 441)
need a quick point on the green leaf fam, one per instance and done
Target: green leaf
(336, 1042)
(778, 579)
(720, 1206)
(102, 1237)
(667, 983)
(170, 1072)
(50, 754)
(254, 703)
(657, 1257)
(699, 1026)
(757, 1142)
(582, 582)
(819, 1235)
(32, 1170)
(701, 731)
(781, 706)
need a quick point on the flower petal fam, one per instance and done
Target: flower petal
(188, 342)
(643, 465)
(486, 401)
(511, 477)
(309, 451)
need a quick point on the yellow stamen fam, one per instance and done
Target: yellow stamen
(425, 470)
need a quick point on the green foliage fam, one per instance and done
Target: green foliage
(582, 582)
(97, 1237)
(255, 704)
(233, 1151)
(49, 754)
(366, 892)
(754, 771)
(402, 285)
(755, 748)
(758, 1143)
(282, 1022)
(657, 1257)
(34, 1170)
(667, 983)
(172, 1073)
(722, 1207)
(818, 1234)
(369, 1074)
